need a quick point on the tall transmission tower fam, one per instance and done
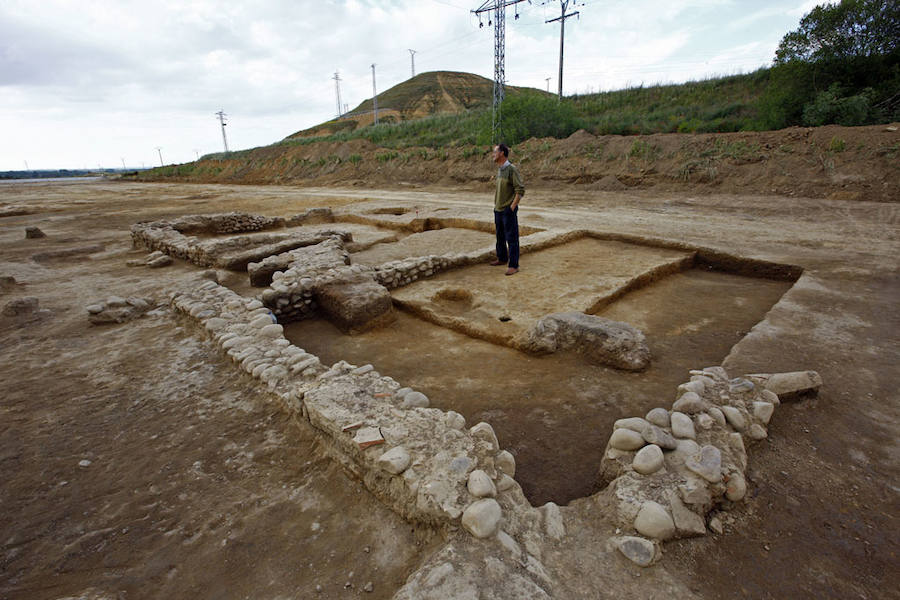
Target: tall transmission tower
(412, 62)
(221, 114)
(564, 4)
(159, 150)
(374, 96)
(498, 20)
(337, 90)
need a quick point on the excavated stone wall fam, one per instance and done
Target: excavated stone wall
(423, 462)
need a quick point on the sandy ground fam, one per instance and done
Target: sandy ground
(135, 463)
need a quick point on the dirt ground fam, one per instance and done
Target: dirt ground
(136, 463)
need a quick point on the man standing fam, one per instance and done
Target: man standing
(510, 189)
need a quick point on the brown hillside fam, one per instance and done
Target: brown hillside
(848, 163)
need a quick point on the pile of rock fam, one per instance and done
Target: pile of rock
(612, 343)
(313, 259)
(398, 273)
(421, 461)
(668, 470)
(319, 278)
(173, 238)
(34, 233)
(118, 310)
(26, 308)
(249, 334)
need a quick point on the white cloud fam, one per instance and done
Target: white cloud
(89, 82)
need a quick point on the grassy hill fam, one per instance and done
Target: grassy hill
(425, 95)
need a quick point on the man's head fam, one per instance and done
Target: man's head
(501, 153)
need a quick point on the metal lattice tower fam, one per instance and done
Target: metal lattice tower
(498, 20)
(221, 114)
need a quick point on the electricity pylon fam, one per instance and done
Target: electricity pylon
(221, 114)
(498, 7)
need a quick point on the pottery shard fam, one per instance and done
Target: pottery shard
(654, 435)
(707, 464)
(608, 342)
(626, 439)
(482, 518)
(395, 461)
(637, 550)
(480, 484)
(654, 521)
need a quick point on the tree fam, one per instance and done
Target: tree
(852, 28)
(841, 65)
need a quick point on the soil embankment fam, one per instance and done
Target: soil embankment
(833, 162)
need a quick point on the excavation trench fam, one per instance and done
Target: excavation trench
(555, 413)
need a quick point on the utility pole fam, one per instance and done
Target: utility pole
(337, 90)
(564, 4)
(123, 163)
(221, 114)
(498, 7)
(159, 150)
(26, 166)
(548, 83)
(374, 95)
(412, 62)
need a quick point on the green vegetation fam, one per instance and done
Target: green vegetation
(841, 65)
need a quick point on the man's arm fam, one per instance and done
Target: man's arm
(518, 186)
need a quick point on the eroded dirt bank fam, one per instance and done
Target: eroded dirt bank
(840, 163)
(136, 464)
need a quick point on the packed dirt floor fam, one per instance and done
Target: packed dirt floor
(137, 463)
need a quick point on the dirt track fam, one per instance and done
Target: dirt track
(196, 488)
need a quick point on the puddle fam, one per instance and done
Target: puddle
(555, 413)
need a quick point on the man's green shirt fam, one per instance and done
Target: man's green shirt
(509, 183)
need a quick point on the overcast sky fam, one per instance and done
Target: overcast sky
(88, 84)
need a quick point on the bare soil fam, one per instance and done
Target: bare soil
(833, 162)
(196, 486)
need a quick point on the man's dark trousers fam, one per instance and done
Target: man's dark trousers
(506, 222)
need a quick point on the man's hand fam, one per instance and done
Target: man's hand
(515, 203)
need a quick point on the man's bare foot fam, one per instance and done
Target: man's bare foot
(511, 271)
(497, 263)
